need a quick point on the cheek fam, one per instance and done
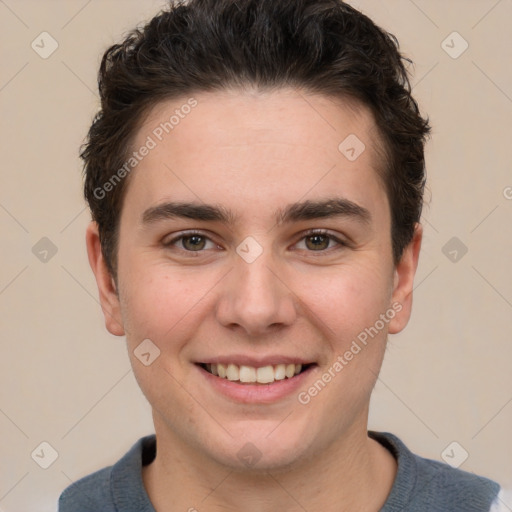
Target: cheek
(347, 300)
(163, 307)
(160, 304)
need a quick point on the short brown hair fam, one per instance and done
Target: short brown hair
(320, 46)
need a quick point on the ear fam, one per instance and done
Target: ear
(404, 274)
(106, 286)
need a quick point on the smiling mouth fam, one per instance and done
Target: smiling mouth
(251, 375)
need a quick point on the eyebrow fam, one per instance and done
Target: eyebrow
(302, 211)
(310, 210)
(195, 211)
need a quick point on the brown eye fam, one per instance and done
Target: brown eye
(193, 242)
(317, 242)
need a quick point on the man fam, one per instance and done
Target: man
(255, 177)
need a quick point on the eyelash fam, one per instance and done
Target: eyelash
(303, 236)
(323, 232)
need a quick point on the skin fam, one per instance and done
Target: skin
(254, 153)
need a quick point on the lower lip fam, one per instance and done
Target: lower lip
(256, 393)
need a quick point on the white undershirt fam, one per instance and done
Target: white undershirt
(503, 502)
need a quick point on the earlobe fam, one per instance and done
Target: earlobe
(404, 281)
(107, 289)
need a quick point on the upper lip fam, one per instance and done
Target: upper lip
(256, 362)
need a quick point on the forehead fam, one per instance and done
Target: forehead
(243, 115)
(248, 140)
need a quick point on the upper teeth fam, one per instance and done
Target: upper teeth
(262, 375)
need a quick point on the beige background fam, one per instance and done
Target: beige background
(66, 381)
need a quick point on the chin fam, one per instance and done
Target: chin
(260, 451)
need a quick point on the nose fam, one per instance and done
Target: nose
(255, 298)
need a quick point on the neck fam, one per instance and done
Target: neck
(353, 474)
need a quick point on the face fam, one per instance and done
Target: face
(251, 243)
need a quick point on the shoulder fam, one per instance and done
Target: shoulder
(425, 484)
(455, 487)
(117, 487)
(89, 494)
(451, 478)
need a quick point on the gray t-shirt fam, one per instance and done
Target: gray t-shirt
(421, 485)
